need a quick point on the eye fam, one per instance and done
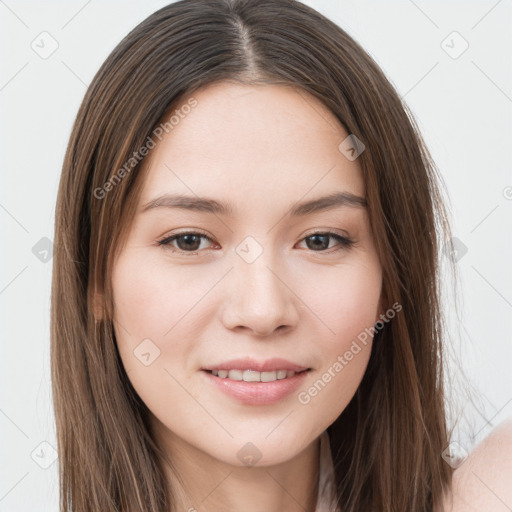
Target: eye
(320, 240)
(190, 242)
(187, 242)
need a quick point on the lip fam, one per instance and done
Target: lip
(270, 365)
(257, 393)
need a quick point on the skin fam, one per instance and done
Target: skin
(262, 149)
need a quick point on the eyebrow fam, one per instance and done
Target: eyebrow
(203, 204)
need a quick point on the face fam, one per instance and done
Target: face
(198, 287)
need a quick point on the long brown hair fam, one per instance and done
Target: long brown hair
(387, 443)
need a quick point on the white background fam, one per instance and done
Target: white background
(464, 109)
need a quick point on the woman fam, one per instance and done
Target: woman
(245, 305)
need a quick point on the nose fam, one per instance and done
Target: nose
(260, 298)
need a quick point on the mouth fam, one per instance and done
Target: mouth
(255, 376)
(250, 387)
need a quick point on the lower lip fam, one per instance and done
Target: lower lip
(257, 393)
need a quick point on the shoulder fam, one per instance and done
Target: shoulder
(484, 480)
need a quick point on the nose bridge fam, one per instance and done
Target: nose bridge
(259, 297)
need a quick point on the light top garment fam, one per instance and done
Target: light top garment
(326, 487)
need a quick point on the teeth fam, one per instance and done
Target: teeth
(253, 376)
(235, 375)
(268, 376)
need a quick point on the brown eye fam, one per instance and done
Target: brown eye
(185, 242)
(319, 242)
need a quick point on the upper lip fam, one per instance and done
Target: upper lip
(269, 365)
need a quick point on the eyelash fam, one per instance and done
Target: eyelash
(344, 242)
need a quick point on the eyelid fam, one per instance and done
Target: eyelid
(189, 231)
(325, 231)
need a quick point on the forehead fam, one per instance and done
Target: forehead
(261, 143)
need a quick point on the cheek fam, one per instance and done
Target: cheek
(149, 304)
(347, 303)
(345, 299)
(150, 299)
(150, 320)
